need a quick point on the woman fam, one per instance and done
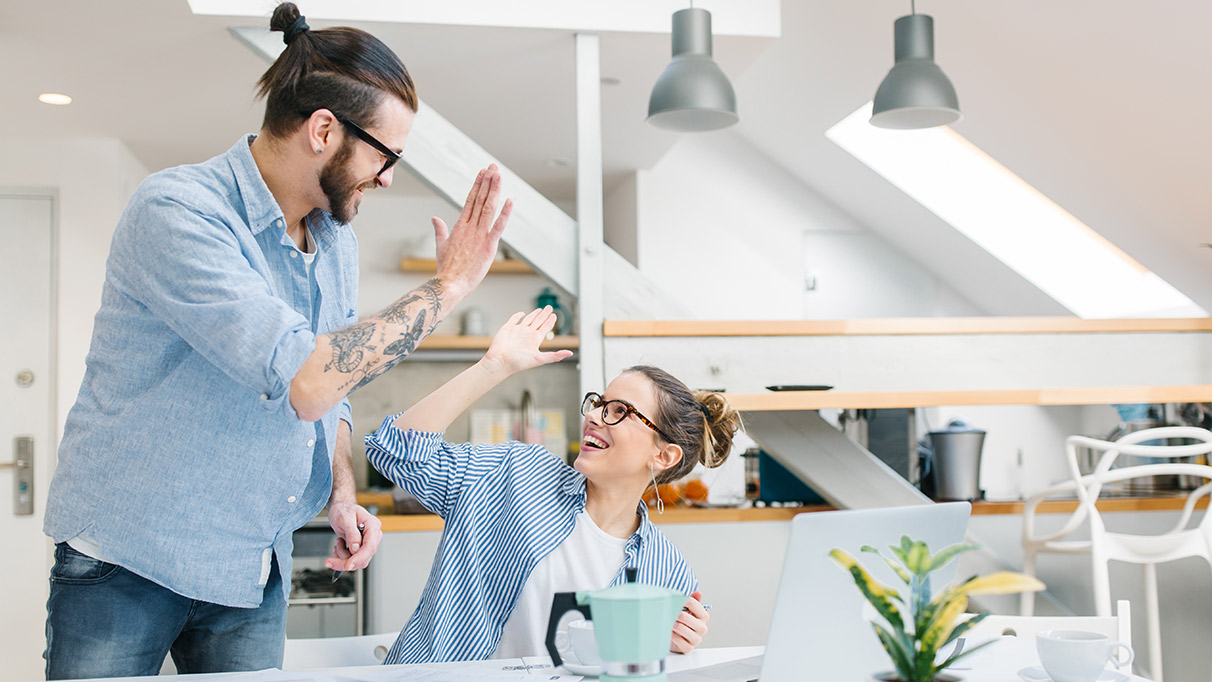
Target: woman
(521, 525)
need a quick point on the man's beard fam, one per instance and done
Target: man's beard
(339, 184)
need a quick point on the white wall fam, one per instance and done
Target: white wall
(94, 178)
(392, 225)
(722, 229)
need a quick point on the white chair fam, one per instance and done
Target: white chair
(1118, 628)
(336, 652)
(1179, 542)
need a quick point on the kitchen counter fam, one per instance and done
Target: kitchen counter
(678, 515)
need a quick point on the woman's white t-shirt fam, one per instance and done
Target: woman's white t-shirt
(588, 559)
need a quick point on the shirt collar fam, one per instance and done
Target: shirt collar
(574, 485)
(647, 528)
(260, 207)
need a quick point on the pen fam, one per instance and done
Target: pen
(337, 574)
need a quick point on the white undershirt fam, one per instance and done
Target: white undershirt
(309, 250)
(588, 559)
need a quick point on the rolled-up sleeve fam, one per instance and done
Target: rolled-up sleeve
(432, 470)
(345, 412)
(191, 272)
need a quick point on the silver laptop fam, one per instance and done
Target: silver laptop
(819, 629)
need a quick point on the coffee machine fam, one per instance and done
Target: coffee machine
(632, 624)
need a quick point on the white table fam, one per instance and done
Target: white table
(999, 662)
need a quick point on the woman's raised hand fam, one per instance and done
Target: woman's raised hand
(516, 344)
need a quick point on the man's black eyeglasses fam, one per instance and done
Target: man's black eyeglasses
(391, 156)
(615, 411)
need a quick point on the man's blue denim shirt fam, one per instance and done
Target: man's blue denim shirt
(182, 458)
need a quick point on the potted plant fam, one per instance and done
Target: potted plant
(915, 626)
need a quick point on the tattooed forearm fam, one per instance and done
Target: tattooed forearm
(408, 343)
(398, 330)
(398, 350)
(430, 292)
(348, 345)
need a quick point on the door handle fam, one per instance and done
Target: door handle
(23, 479)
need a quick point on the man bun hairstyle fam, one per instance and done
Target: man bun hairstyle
(345, 70)
(701, 422)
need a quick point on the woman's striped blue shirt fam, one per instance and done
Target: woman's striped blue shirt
(505, 507)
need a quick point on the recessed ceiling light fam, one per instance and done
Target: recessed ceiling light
(54, 98)
(610, 80)
(558, 162)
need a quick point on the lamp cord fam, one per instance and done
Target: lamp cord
(912, 6)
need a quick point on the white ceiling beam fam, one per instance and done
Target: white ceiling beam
(754, 18)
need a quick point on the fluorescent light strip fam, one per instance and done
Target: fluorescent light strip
(1010, 219)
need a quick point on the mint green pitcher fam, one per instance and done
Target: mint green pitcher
(633, 624)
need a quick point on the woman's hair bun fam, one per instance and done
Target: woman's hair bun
(723, 421)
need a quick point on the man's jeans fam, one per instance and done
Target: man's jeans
(104, 621)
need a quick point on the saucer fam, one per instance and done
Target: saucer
(581, 669)
(1037, 674)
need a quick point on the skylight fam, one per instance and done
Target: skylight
(1010, 219)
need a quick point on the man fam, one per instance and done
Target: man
(212, 420)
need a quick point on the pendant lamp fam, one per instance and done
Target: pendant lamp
(915, 93)
(692, 94)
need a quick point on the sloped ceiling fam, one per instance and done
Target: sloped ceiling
(1100, 104)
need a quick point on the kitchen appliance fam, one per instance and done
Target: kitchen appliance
(632, 623)
(952, 470)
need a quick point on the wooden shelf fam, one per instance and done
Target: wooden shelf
(509, 266)
(1105, 504)
(678, 515)
(452, 342)
(901, 326)
(1097, 395)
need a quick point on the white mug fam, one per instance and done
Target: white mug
(584, 642)
(1077, 655)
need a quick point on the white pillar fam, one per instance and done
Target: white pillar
(590, 246)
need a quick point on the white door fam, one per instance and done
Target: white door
(26, 416)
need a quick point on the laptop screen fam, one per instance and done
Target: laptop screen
(820, 628)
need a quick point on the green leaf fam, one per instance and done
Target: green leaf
(902, 552)
(959, 630)
(876, 593)
(968, 651)
(939, 628)
(901, 656)
(1002, 582)
(896, 568)
(948, 553)
(918, 561)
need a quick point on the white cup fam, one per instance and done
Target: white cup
(1077, 655)
(584, 642)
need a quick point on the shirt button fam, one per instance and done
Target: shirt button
(264, 396)
(294, 254)
(310, 443)
(291, 498)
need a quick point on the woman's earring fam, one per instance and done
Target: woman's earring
(660, 504)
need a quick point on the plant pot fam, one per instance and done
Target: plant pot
(891, 676)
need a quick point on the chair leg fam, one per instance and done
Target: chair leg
(1101, 582)
(1153, 617)
(1026, 604)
